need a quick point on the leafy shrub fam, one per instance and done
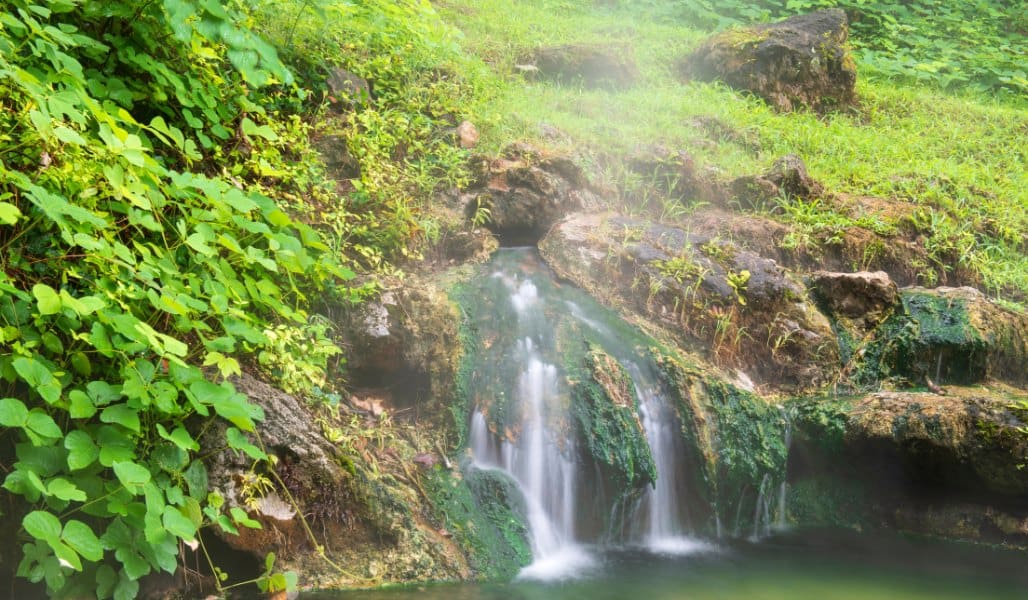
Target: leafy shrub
(138, 240)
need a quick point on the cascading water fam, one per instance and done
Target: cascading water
(662, 505)
(664, 531)
(521, 423)
(541, 465)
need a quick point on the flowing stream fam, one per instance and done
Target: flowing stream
(546, 461)
(537, 459)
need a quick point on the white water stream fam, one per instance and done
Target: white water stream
(664, 532)
(540, 456)
(540, 465)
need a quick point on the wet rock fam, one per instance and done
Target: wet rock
(802, 61)
(404, 346)
(967, 441)
(947, 466)
(864, 296)
(606, 411)
(521, 195)
(710, 291)
(786, 177)
(947, 335)
(590, 65)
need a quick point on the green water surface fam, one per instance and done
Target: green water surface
(812, 566)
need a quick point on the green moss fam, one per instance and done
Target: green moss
(484, 511)
(742, 37)
(605, 408)
(486, 376)
(821, 423)
(460, 405)
(738, 438)
(932, 336)
(750, 438)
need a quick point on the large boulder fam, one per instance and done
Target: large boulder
(403, 349)
(942, 336)
(802, 61)
(591, 65)
(949, 466)
(522, 193)
(740, 309)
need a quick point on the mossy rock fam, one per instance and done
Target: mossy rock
(948, 335)
(710, 293)
(738, 438)
(605, 408)
(950, 466)
(803, 61)
(484, 511)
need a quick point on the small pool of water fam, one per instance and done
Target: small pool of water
(811, 566)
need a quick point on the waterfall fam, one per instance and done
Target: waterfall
(537, 460)
(523, 421)
(664, 531)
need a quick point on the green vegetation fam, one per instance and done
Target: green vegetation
(606, 409)
(484, 511)
(931, 337)
(975, 45)
(952, 164)
(183, 195)
(165, 222)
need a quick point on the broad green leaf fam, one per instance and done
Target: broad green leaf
(39, 377)
(123, 415)
(65, 490)
(179, 436)
(106, 579)
(82, 451)
(131, 475)
(81, 538)
(80, 405)
(169, 457)
(66, 555)
(42, 526)
(47, 299)
(42, 424)
(178, 524)
(115, 445)
(80, 363)
(239, 516)
(238, 441)
(9, 213)
(81, 306)
(69, 136)
(196, 480)
(102, 392)
(13, 413)
(128, 588)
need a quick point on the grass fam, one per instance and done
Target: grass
(959, 159)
